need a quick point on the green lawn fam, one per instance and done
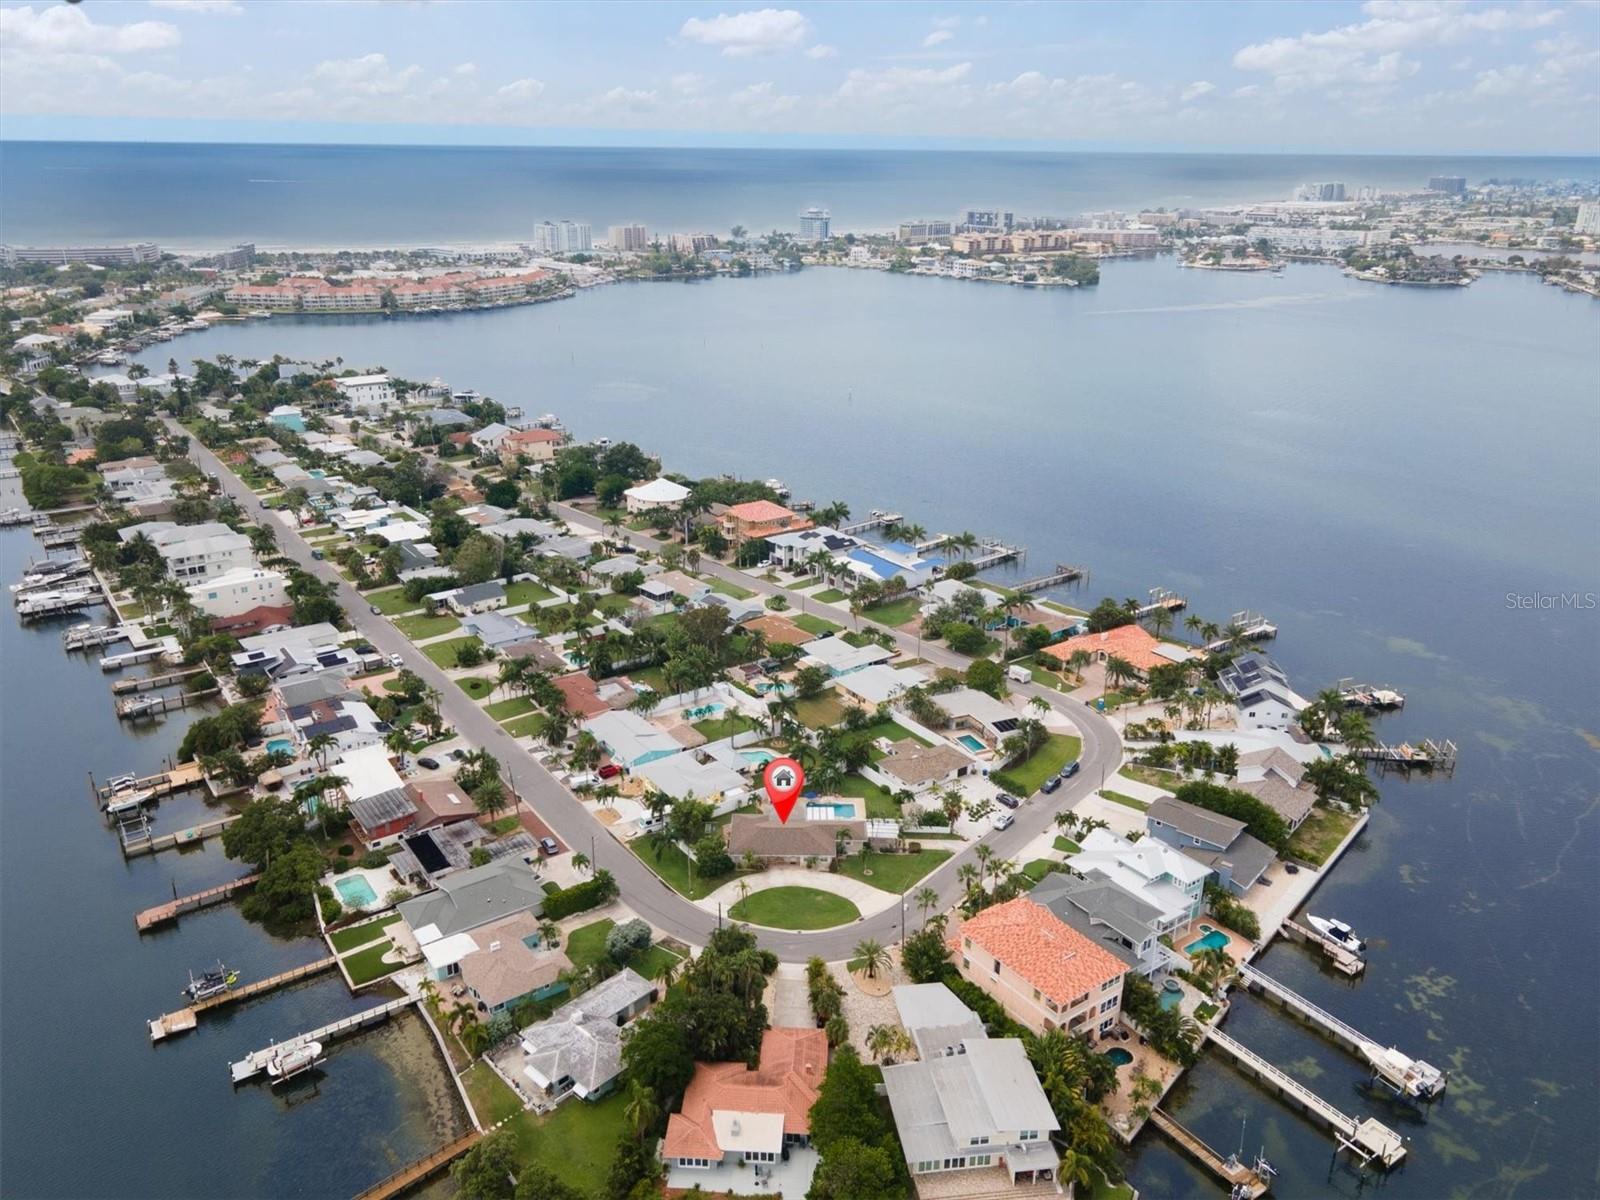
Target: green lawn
(531, 725)
(892, 872)
(727, 587)
(504, 710)
(1100, 1189)
(526, 591)
(1124, 799)
(426, 625)
(878, 802)
(1066, 845)
(1320, 835)
(1165, 780)
(476, 686)
(588, 945)
(1048, 679)
(503, 825)
(673, 867)
(830, 596)
(576, 1142)
(392, 601)
(1039, 868)
(892, 730)
(444, 653)
(812, 623)
(366, 965)
(794, 908)
(360, 935)
(1030, 774)
(819, 712)
(652, 678)
(896, 612)
(723, 727)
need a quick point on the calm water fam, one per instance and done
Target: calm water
(204, 196)
(88, 1108)
(1375, 468)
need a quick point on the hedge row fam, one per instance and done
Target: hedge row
(580, 896)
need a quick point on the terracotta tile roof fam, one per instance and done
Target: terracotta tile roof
(1042, 948)
(759, 512)
(1130, 642)
(792, 1064)
(583, 695)
(526, 437)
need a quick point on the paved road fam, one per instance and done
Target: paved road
(642, 890)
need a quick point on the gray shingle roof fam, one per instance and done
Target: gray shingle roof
(468, 899)
(1214, 829)
(372, 811)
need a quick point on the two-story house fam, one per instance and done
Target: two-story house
(1043, 972)
(1167, 879)
(973, 1104)
(1211, 839)
(760, 519)
(1108, 914)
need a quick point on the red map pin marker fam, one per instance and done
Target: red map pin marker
(783, 780)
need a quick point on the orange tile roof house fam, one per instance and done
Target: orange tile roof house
(1133, 643)
(760, 519)
(539, 445)
(1042, 971)
(731, 1114)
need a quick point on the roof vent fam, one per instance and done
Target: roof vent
(734, 1127)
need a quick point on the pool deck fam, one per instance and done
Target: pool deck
(377, 878)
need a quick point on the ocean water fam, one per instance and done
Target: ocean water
(208, 196)
(1374, 468)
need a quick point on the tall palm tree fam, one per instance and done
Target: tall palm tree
(871, 956)
(641, 1111)
(1119, 671)
(967, 875)
(1161, 621)
(984, 854)
(1194, 622)
(396, 741)
(927, 900)
(1039, 705)
(319, 744)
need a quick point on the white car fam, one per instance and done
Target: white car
(1004, 820)
(396, 660)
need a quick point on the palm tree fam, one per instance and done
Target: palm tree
(1161, 621)
(1194, 622)
(396, 741)
(967, 875)
(927, 900)
(580, 862)
(1039, 704)
(984, 854)
(870, 956)
(1078, 660)
(1118, 671)
(641, 1111)
(1211, 964)
(510, 673)
(319, 745)
(549, 933)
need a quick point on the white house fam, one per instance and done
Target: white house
(658, 493)
(235, 592)
(1167, 879)
(202, 559)
(367, 392)
(488, 438)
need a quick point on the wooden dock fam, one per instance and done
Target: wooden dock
(1230, 1170)
(1429, 756)
(165, 783)
(186, 1019)
(1370, 1140)
(256, 1061)
(150, 918)
(140, 708)
(137, 839)
(149, 683)
(86, 637)
(1378, 697)
(1245, 626)
(875, 521)
(132, 658)
(424, 1168)
(1342, 957)
(1064, 573)
(1161, 598)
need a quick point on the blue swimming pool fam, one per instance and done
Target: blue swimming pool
(1214, 939)
(285, 745)
(760, 757)
(972, 743)
(1171, 999)
(830, 812)
(355, 891)
(704, 712)
(1119, 1057)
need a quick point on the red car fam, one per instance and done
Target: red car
(610, 771)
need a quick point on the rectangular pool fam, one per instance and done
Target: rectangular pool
(355, 891)
(972, 743)
(830, 812)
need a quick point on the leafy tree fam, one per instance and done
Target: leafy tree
(503, 493)
(809, 682)
(538, 1182)
(283, 894)
(1261, 821)
(484, 1172)
(628, 939)
(964, 638)
(264, 831)
(1108, 614)
(853, 1170)
(925, 955)
(986, 675)
(477, 559)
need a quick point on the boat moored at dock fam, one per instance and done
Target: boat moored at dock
(211, 983)
(1409, 1078)
(294, 1060)
(1338, 931)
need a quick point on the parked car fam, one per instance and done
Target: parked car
(1050, 784)
(610, 771)
(458, 754)
(396, 660)
(549, 847)
(1069, 770)
(428, 764)
(1007, 799)
(375, 610)
(317, 554)
(1003, 820)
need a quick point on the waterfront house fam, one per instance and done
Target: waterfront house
(731, 1115)
(440, 802)
(241, 591)
(301, 650)
(477, 598)
(972, 1104)
(658, 493)
(426, 856)
(348, 719)
(499, 965)
(378, 820)
(535, 445)
(1109, 915)
(757, 519)
(577, 1051)
(367, 771)
(369, 393)
(1043, 972)
(1211, 839)
(442, 419)
(1277, 779)
(1134, 644)
(1168, 880)
(470, 899)
(203, 558)
(1260, 691)
(488, 439)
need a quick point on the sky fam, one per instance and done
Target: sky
(1384, 76)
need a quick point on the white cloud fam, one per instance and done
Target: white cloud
(821, 51)
(937, 37)
(687, 83)
(894, 82)
(228, 8)
(946, 22)
(369, 75)
(465, 69)
(758, 32)
(63, 29)
(1372, 52)
(520, 89)
(763, 100)
(628, 99)
(1197, 89)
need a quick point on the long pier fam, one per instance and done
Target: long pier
(150, 918)
(137, 839)
(875, 521)
(185, 1019)
(1161, 598)
(1230, 1170)
(33, 610)
(1429, 756)
(150, 682)
(1259, 983)
(256, 1061)
(1064, 573)
(1249, 626)
(139, 708)
(1342, 957)
(1369, 1140)
(144, 654)
(414, 1173)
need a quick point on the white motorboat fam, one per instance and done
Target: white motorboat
(1337, 931)
(286, 1064)
(127, 799)
(1408, 1077)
